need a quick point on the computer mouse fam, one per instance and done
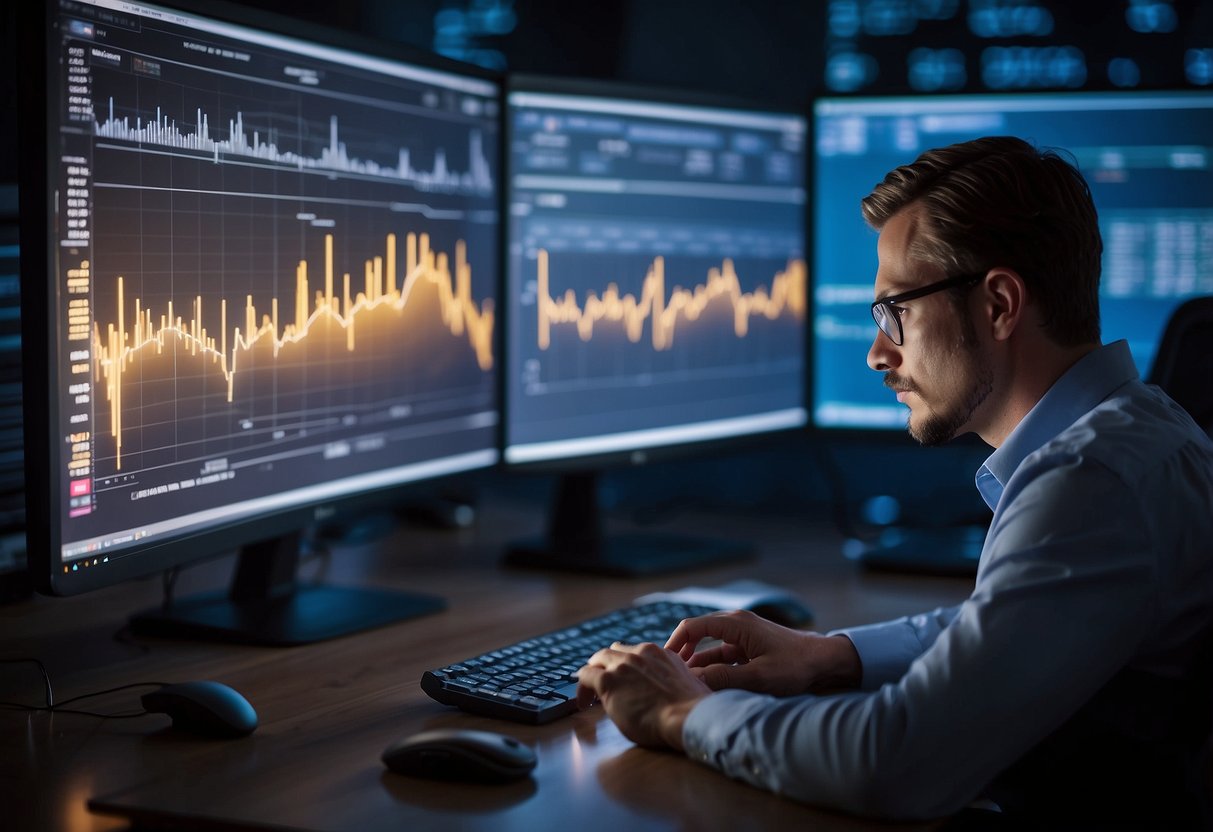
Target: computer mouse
(208, 709)
(785, 609)
(460, 754)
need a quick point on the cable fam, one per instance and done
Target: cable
(111, 690)
(59, 708)
(50, 694)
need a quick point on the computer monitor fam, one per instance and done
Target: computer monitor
(655, 294)
(1147, 159)
(1146, 156)
(259, 267)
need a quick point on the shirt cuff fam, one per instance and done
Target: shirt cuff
(885, 650)
(710, 732)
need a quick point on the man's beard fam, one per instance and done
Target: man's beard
(940, 427)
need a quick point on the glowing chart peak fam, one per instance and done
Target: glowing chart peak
(786, 295)
(119, 345)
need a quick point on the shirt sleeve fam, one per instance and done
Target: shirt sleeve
(886, 650)
(1062, 600)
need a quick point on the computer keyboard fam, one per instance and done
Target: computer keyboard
(533, 681)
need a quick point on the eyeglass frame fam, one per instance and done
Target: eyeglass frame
(922, 291)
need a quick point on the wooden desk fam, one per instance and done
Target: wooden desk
(328, 710)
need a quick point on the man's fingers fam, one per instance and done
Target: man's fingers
(721, 654)
(589, 682)
(727, 626)
(719, 676)
(591, 678)
(688, 633)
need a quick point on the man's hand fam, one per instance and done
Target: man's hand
(758, 655)
(646, 690)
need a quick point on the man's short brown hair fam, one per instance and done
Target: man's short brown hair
(999, 201)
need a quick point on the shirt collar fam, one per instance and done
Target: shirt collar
(1092, 379)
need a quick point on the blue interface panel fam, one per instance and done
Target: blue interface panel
(656, 288)
(1147, 158)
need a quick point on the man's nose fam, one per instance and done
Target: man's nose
(883, 355)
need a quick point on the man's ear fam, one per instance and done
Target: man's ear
(1005, 299)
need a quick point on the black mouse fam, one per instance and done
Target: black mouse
(209, 709)
(460, 754)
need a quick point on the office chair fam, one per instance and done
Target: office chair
(1183, 367)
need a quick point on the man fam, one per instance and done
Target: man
(1073, 684)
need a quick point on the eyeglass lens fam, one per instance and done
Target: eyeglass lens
(887, 322)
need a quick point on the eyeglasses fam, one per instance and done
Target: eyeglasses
(887, 314)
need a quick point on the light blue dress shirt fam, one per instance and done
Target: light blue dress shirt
(1099, 559)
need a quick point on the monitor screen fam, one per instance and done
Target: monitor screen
(268, 281)
(655, 291)
(1146, 156)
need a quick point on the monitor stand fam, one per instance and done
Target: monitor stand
(575, 541)
(266, 606)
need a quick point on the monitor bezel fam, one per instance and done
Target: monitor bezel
(38, 48)
(645, 93)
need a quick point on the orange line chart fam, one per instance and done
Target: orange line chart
(123, 342)
(786, 296)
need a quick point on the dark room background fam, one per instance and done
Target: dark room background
(780, 52)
